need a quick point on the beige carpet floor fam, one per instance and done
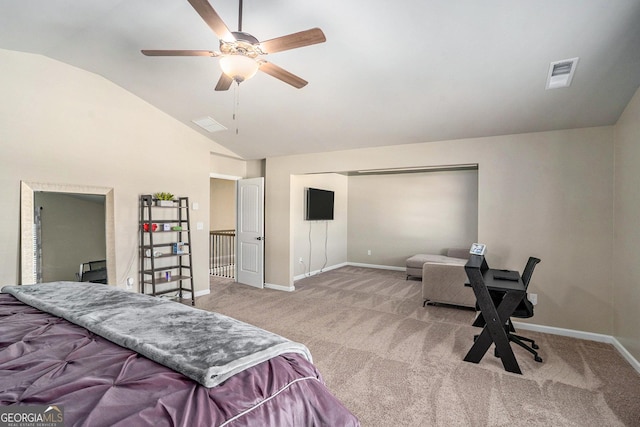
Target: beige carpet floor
(393, 362)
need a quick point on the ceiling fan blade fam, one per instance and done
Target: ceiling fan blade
(292, 41)
(179, 52)
(282, 74)
(224, 83)
(213, 20)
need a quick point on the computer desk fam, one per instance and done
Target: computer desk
(482, 280)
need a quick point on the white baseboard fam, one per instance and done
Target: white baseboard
(583, 336)
(313, 273)
(280, 287)
(353, 264)
(625, 353)
(380, 267)
(203, 292)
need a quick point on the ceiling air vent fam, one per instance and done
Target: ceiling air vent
(208, 124)
(561, 73)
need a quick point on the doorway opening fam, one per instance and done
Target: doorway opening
(237, 214)
(222, 227)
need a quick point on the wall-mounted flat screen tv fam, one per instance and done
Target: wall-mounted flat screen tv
(319, 205)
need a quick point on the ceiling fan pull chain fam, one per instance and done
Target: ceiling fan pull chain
(236, 104)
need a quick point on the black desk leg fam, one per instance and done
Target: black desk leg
(503, 347)
(479, 321)
(494, 330)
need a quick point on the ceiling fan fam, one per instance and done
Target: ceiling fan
(241, 54)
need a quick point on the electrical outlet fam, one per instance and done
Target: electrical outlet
(129, 282)
(369, 252)
(300, 260)
(533, 298)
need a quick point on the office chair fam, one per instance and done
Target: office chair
(524, 311)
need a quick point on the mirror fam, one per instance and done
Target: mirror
(70, 237)
(27, 235)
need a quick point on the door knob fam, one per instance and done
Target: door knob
(259, 238)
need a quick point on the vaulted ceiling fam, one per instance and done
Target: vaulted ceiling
(389, 72)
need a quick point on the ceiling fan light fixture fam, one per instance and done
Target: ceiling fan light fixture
(239, 67)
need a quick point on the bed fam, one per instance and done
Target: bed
(60, 356)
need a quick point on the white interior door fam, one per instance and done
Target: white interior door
(250, 226)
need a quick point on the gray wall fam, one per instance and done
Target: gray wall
(547, 194)
(91, 132)
(626, 268)
(394, 216)
(399, 215)
(318, 243)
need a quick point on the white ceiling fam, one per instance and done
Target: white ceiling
(389, 73)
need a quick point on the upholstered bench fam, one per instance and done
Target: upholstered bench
(443, 277)
(415, 263)
(444, 283)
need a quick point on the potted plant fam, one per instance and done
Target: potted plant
(163, 199)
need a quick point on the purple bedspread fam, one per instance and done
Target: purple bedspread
(47, 360)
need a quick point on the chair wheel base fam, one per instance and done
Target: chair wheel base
(538, 359)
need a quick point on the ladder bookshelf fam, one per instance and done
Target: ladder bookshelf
(165, 247)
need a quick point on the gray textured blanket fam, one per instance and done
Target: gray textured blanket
(206, 347)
